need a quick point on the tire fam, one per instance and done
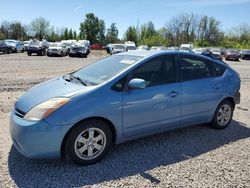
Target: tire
(80, 143)
(223, 115)
(61, 53)
(29, 53)
(15, 51)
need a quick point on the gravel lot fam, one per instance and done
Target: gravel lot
(197, 156)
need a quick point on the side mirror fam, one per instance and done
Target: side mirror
(137, 83)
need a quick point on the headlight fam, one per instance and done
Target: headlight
(44, 109)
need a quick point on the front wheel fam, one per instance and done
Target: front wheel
(89, 142)
(223, 115)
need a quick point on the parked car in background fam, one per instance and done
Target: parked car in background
(130, 48)
(232, 54)
(26, 44)
(143, 47)
(146, 92)
(117, 48)
(198, 50)
(173, 48)
(186, 47)
(57, 49)
(78, 51)
(130, 45)
(86, 44)
(223, 51)
(108, 48)
(37, 47)
(158, 48)
(96, 47)
(68, 44)
(245, 54)
(4, 47)
(16, 45)
(217, 53)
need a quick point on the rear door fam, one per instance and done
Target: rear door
(201, 89)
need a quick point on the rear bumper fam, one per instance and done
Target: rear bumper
(237, 98)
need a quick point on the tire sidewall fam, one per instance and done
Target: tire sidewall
(70, 143)
(215, 123)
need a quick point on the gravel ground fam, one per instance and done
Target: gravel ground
(197, 156)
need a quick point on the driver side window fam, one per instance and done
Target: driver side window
(157, 71)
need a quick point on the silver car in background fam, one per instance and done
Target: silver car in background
(57, 49)
(117, 48)
(16, 45)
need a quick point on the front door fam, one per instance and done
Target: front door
(157, 107)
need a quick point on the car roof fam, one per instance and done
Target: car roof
(148, 53)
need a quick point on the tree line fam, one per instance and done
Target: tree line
(202, 31)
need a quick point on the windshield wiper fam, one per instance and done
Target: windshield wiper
(83, 82)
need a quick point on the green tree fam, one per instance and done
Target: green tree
(17, 31)
(70, 34)
(101, 34)
(41, 27)
(74, 35)
(66, 34)
(112, 34)
(90, 28)
(131, 34)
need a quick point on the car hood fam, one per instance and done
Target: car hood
(56, 87)
(232, 53)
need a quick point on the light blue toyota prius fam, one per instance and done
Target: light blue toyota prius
(119, 98)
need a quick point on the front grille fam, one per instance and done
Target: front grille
(19, 113)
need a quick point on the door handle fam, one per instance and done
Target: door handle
(173, 94)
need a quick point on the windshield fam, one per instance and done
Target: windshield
(232, 51)
(55, 45)
(131, 47)
(119, 47)
(106, 68)
(35, 43)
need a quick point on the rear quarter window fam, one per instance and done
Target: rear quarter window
(219, 69)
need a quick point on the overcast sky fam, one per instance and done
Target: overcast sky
(70, 13)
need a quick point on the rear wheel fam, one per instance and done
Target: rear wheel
(89, 142)
(29, 53)
(223, 115)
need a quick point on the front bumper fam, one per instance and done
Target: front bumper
(77, 54)
(36, 139)
(34, 50)
(57, 52)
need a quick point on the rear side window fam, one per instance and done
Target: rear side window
(193, 68)
(219, 69)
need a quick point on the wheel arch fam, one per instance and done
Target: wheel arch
(231, 99)
(107, 121)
